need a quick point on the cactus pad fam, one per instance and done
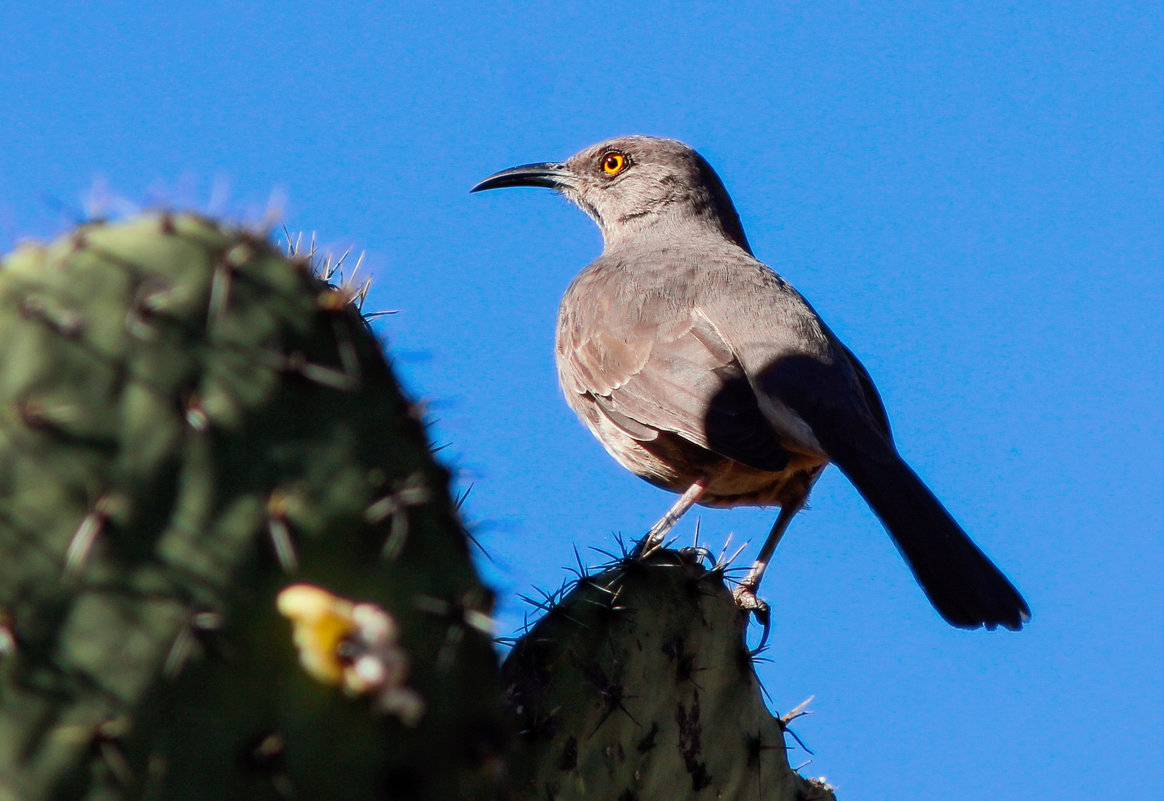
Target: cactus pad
(639, 685)
(189, 424)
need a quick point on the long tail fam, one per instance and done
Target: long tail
(960, 581)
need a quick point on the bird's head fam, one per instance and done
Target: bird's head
(636, 184)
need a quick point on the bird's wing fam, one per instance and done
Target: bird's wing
(796, 363)
(670, 372)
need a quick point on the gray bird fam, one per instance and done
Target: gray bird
(702, 371)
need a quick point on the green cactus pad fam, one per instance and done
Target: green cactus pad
(639, 685)
(190, 423)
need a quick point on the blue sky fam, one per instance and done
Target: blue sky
(969, 194)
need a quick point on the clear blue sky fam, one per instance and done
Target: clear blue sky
(969, 193)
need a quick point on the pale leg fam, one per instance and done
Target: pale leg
(660, 530)
(745, 593)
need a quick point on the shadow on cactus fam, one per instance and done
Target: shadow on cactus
(199, 437)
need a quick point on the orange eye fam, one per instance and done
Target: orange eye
(613, 163)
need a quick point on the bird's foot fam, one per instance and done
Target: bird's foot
(747, 600)
(658, 533)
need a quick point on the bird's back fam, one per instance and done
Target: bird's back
(642, 289)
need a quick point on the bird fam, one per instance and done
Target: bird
(704, 372)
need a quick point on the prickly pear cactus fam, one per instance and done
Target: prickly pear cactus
(190, 425)
(638, 685)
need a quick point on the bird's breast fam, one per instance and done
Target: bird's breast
(673, 462)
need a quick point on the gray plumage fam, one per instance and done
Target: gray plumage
(702, 371)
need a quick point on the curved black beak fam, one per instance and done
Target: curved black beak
(550, 174)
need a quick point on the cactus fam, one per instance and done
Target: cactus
(638, 684)
(189, 424)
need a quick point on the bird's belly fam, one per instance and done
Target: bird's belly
(675, 463)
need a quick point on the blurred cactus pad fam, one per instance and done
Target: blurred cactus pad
(190, 422)
(230, 567)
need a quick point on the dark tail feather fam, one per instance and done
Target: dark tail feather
(960, 581)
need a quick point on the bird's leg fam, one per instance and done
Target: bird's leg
(745, 593)
(659, 531)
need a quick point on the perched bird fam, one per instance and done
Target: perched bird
(702, 371)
